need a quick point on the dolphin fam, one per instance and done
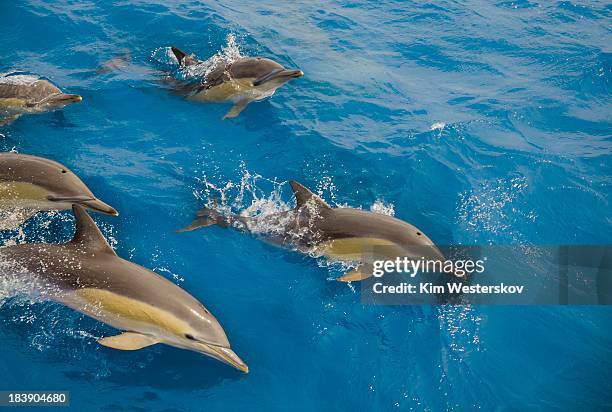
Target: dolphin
(21, 94)
(86, 275)
(120, 62)
(341, 234)
(241, 81)
(29, 184)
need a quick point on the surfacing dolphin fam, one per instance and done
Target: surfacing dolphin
(23, 94)
(86, 275)
(242, 81)
(342, 234)
(29, 184)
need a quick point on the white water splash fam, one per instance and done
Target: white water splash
(437, 126)
(19, 284)
(327, 186)
(169, 274)
(108, 231)
(380, 207)
(228, 54)
(18, 79)
(164, 56)
(252, 196)
(42, 226)
(14, 218)
(460, 327)
(490, 209)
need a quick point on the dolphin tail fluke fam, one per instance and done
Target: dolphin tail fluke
(206, 217)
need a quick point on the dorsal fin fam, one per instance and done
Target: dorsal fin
(183, 58)
(87, 235)
(303, 196)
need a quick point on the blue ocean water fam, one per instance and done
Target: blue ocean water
(478, 122)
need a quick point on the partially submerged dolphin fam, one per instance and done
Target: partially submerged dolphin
(242, 81)
(29, 184)
(21, 94)
(343, 234)
(86, 275)
(119, 62)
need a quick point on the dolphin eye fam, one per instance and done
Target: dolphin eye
(64, 171)
(190, 337)
(419, 233)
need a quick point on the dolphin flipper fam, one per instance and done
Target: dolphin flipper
(237, 109)
(356, 275)
(128, 341)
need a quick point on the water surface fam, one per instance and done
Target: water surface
(480, 123)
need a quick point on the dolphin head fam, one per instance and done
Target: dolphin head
(59, 100)
(221, 353)
(66, 187)
(60, 184)
(277, 78)
(417, 243)
(44, 95)
(265, 73)
(201, 332)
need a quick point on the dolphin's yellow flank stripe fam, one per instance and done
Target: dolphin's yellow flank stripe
(353, 248)
(225, 90)
(12, 102)
(17, 191)
(132, 309)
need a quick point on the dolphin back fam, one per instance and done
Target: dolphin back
(33, 92)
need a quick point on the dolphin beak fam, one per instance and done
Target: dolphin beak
(74, 98)
(293, 74)
(64, 99)
(225, 355)
(99, 206)
(285, 75)
(89, 202)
